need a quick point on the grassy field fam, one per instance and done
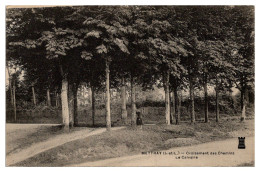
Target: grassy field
(131, 140)
(18, 139)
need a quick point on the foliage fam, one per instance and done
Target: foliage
(143, 42)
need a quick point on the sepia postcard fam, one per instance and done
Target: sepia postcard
(130, 86)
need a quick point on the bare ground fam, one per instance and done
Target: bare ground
(222, 155)
(132, 141)
(22, 144)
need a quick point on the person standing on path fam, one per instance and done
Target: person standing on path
(139, 120)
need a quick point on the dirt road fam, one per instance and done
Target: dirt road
(18, 131)
(220, 153)
(19, 136)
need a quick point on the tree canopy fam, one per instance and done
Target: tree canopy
(175, 45)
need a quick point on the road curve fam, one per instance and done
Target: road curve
(51, 143)
(227, 154)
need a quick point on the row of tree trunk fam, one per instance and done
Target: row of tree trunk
(69, 107)
(69, 101)
(70, 115)
(48, 97)
(169, 115)
(177, 101)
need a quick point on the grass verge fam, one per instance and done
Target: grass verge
(130, 141)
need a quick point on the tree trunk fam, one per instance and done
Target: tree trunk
(167, 99)
(57, 100)
(192, 100)
(242, 97)
(170, 109)
(108, 117)
(206, 113)
(217, 101)
(243, 115)
(177, 113)
(56, 103)
(14, 102)
(179, 106)
(90, 97)
(172, 102)
(123, 97)
(93, 105)
(34, 98)
(71, 105)
(133, 117)
(65, 104)
(10, 86)
(11, 92)
(243, 103)
(75, 95)
(48, 97)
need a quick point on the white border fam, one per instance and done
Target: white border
(122, 2)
